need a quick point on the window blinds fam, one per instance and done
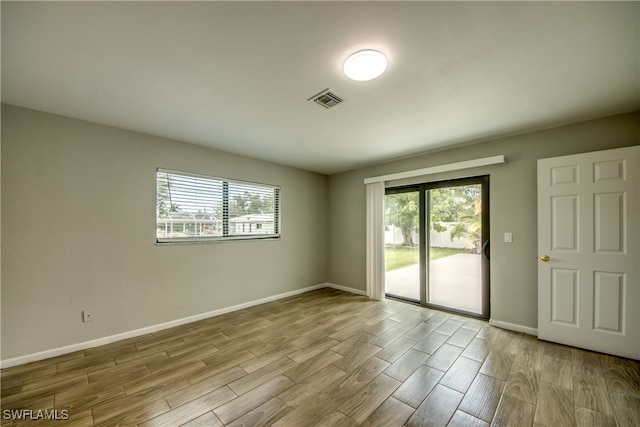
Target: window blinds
(192, 207)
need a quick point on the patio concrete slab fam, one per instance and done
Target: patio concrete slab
(456, 282)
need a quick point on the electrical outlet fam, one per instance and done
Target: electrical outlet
(508, 237)
(301, 275)
(87, 316)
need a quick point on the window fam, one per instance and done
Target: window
(193, 207)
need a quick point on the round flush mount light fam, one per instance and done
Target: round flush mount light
(365, 65)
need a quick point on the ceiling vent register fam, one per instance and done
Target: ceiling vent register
(326, 98)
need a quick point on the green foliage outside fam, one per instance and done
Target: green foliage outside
(164, 204)
(404, 256)
(460, 205)
(250, 203)
(402, 211)
(240, 203)
(464, 204)
(197, 205)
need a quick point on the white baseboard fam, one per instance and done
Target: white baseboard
(27, 358)
(514, 327)
(20, 360)
(344, 288)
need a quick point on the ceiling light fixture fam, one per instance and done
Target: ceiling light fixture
(365, 65)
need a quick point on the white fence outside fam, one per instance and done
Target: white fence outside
(393, 236)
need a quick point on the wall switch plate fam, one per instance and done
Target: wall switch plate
(508, 237)
(87, 316)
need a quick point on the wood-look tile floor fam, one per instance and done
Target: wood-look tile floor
(329, 358)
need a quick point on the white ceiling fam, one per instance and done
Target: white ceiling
(236, 75)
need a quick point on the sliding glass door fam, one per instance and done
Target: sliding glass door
(436, 244)
(402, 243)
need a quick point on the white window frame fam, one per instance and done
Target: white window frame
(225, 220)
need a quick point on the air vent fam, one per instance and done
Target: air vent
(326, 98)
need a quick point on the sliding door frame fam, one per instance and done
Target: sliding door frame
(421, 220)
(424, 227)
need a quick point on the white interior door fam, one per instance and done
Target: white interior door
(588, 227)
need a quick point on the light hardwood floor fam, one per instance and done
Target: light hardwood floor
(330, 358)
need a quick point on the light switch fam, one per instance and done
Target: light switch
(508, 237)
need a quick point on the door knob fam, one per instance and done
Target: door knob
(545, 258)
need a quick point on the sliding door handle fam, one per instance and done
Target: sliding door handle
(486, 250)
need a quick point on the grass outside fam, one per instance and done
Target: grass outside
(403, 256)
